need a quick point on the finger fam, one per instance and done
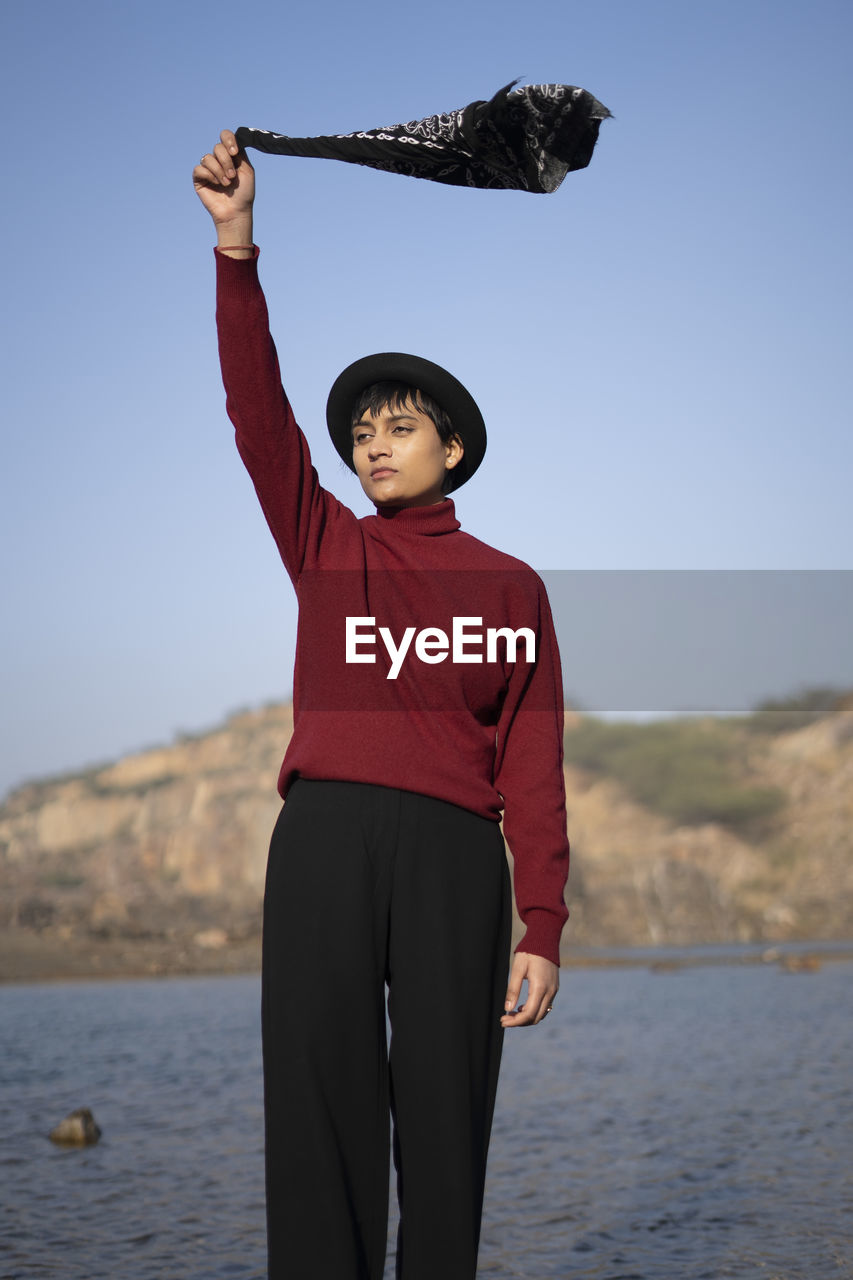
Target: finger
(547, 1005)
(538, 1005)
(230, 141)
(213, 171)
(517, 974)
(513, 991)
(542, 995)
(522, 1017)
(527, 1016)
(202, 177)
(226, 160)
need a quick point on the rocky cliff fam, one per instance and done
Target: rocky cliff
(156, 863)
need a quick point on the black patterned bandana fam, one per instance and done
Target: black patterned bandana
(523, 139)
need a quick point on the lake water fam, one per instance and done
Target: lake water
(689, 1125)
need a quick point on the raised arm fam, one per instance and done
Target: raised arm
(299, 511)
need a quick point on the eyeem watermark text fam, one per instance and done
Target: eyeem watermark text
(432, 645)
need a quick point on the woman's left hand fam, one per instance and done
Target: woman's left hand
(543, 980)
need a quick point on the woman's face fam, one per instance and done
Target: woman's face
(399, 457)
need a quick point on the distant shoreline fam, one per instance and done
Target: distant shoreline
(27, 958)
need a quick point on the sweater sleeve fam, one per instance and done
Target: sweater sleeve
(298, 510)
(529, 777)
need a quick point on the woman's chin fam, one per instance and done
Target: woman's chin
(386, 498)
(393, 492)
(389, 493)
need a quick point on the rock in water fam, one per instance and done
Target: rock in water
(77, 1130)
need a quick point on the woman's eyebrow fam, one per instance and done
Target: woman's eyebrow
(394, 417)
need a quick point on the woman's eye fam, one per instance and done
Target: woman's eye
(405, 430)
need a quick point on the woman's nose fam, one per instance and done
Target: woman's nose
(379, 447)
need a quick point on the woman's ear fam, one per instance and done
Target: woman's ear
(454, 452)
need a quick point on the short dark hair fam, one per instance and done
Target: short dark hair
(396, 395)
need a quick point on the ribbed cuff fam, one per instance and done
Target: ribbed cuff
(236, 276)
(223, 257)
(542, 935)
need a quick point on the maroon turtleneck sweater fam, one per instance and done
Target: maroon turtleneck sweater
(485, 735)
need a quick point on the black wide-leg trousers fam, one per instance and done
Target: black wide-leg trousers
(368, 885)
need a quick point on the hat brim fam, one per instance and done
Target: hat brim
(396, 366)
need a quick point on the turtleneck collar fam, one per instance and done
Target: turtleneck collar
(438, 518)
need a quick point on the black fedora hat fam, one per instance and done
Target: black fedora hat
(396, 366)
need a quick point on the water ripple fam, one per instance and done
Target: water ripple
(682, 1127)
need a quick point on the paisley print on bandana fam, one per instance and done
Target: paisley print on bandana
(522, 139)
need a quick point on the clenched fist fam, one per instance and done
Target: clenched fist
(224, 182)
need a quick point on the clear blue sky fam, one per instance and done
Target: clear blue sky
(661, 348)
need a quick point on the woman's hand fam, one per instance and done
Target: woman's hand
(224, 182)
(543, 981)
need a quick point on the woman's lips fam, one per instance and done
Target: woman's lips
(381, 472)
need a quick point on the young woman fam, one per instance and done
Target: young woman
(427, 699)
